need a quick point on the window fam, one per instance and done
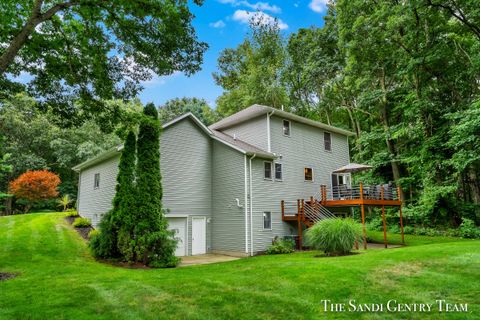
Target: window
(267, 167)
(308, 174)
(327, 139)
(278, 171)
(96, 181)
(267, 220)
(286, 128)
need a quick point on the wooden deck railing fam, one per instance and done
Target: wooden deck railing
(372, 195)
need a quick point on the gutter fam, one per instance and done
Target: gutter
(251, 206)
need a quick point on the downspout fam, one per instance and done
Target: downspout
(251, 206)
(77, 204)
(269, 143)
(246, 206)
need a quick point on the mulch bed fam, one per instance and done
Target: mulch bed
(5, 276)
(83, 232)
(70, 219)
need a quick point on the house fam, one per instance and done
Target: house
(223, 184)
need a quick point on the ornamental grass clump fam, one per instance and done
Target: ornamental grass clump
(334, 236)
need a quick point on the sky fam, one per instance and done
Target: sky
(224, 24)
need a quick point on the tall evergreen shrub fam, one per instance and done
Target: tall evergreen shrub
(135, 230)
(153, 242)
(106, 243)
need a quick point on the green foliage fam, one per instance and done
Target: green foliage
(35, 140)
(177, 107)
(333, 236)
(104, 244)
(281, 246)
(71, 213)
(469, 230)
(90, 52)
(93, 234)
(82, 223)
(251, 73)
(107, 244)
(153, 244)
(135, 230)
(64, 202)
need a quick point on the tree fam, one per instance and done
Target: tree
(117, 224)
(35, 141)
(178, 106)
(64, 202)
(153, 243)
(34, 186)
(92, 51)
(251, 73)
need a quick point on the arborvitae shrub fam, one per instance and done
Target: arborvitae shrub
(154, 243)
(105, 244)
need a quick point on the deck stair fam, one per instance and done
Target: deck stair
(306, 212)
(314, 212)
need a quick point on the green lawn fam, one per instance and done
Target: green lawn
(58, 279)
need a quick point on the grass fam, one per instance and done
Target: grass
(58, 279)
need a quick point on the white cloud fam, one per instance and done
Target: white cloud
(244, 16)
(219, 24)
(318, 5)
(160, 80)
(262, 6)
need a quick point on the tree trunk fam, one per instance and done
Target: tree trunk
(19, 40)
(390, 143)
(473, 185)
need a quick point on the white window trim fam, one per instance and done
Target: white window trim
(313, 175)
(289, 127)
(331, 142)
(275, 171)
(263, 221)
(272, 174)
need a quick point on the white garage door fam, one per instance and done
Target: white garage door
(179, 225)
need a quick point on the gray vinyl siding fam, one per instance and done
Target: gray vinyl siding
(186, 153)
(93, 203)
(304, 148)
(253, 132)
(228, 219)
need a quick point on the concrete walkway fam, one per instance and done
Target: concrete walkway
(205, 259)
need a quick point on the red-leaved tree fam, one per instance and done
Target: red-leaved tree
(34, 186)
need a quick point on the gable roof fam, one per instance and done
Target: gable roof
(258, 110)
(241, 145)
(227, 140)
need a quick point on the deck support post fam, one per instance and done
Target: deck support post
(384, 220)
(299, 222)
(384, 228)
(400, 211)
(401, 224)
(363, 218)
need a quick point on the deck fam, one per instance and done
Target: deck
(310, 211)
